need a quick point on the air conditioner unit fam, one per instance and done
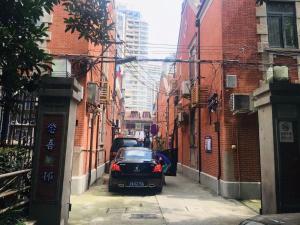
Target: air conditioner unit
(281, 73)
(241, 103)
(278, 73)
(186, 88)
(104, 93)
(92, 93)
(231, 81)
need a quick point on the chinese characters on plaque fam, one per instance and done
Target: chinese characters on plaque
(49, 175)
(50, 154)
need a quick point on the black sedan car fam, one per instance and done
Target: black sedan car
(135, 167)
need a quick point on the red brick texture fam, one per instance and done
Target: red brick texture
(63, 44)
(187, 35)
(226, 37)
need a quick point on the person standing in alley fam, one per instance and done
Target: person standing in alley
(147, 142)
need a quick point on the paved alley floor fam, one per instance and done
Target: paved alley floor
(182, 202)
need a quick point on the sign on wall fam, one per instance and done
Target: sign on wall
(286, 134)
(208, 144)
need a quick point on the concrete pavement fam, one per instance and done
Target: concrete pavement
(182, 202)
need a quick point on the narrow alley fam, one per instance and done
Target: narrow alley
(203, 95)
(182, 202)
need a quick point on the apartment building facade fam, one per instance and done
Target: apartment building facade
(133, 31)
(97, 112)
(233, 47)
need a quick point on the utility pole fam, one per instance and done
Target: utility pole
(114, 98)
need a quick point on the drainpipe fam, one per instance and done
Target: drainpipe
(217, 128)
(238, 159)
(97, 144)
(91, 145)
(114, 99)
(91, 151)
(199, 113)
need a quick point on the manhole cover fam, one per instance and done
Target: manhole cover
(143, 216)
(115, 210)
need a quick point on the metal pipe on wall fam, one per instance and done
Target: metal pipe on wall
(217, 128)
(91, 151)
(199, 112)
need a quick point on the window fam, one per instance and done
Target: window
(282, 25)
(136, 155)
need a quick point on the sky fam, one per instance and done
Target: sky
(163, 17)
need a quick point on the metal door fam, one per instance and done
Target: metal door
(288, 163)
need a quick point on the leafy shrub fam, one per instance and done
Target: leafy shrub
(14, 217)
(13, 159)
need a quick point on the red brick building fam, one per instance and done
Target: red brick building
(244, 49)
(233, 46)
(229, 140)
(96, 116)
(162, 109)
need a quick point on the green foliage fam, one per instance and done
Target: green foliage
(21, 59)
(13, 159)
(90, 18)
(15, 217)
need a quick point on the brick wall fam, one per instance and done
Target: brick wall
(211, 77)
(162, 108)
(187, 35)
(226, 36)
(62, 44)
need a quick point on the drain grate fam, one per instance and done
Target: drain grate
(115, 210)
(143, 216)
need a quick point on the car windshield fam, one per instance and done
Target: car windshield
(119, 143)
(137, 155)
(129, 143)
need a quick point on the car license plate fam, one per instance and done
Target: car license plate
(136, 184)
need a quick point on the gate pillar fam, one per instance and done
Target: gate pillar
(278, 107)
(54, 141)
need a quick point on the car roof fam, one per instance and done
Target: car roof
(130, 138)
(136, 148)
